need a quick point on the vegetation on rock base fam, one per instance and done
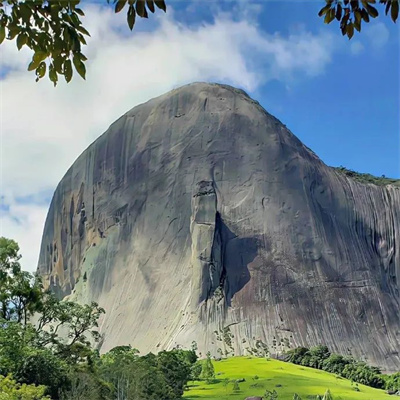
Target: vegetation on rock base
(320, 357)
(367, 178)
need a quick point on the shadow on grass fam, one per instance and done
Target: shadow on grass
(214, 382)
(204, 382)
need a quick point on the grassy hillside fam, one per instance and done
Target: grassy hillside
(285, 378)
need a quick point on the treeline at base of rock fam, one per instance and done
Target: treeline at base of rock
(320, 357)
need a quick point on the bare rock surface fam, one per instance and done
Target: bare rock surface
(200, 217)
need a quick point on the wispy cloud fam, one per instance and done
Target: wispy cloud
(356, 47)
(378, 35)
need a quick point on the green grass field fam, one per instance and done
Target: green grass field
(285, 378)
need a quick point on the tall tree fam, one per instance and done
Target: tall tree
(37, 353)
(20, 292)
(207, 370)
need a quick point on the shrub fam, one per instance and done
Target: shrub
(236, 387)
(11, 390)
(392, 382)
(207, 370)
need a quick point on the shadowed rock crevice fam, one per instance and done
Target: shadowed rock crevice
(220, 258)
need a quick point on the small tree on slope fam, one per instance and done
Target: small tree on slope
(207, 370)
(327, 395)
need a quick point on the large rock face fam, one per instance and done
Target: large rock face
(199, 217)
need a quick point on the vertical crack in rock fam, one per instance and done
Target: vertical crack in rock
(207, 262)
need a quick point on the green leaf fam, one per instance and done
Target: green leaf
(41, 70)
(120, 5)
(57, 46)
(141, 9)
(82, 57)
(2, 33)
(81, 29)
(395, 10)
(79, 66)
(338, 14)
(354, 4)
(357, 16)
(150, 5)
(75, 20)
(357, 25)
(387, 8)
(82, 39)
(53, 75)
(131, 17)
(324, 10)
(68, 70)
(364, 15)
(67, 36)
(26, 12)
(39, 56)
(13, 31)
(161, 4)
(76, 41)
(372, 11)
(350, 30)
(32, 65)
(58, 64)
(330, 16)
(21, 40)
(80, 12)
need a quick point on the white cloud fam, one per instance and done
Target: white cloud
(43, 130)
(378, 35)
(24, 223)
(356, 47)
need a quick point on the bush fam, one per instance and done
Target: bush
(367, 178)
(295, 356)
(319, 357)
(195, 371)
(362, 373)
(236, 387)
(335, 363)
(207, 370)
(392, 382)
(11, 390)
(42, 367)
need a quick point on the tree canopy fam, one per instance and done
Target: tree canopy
(53, 355)
(54, 31)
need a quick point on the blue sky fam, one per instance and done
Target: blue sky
(350, 114)
(340, 97)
